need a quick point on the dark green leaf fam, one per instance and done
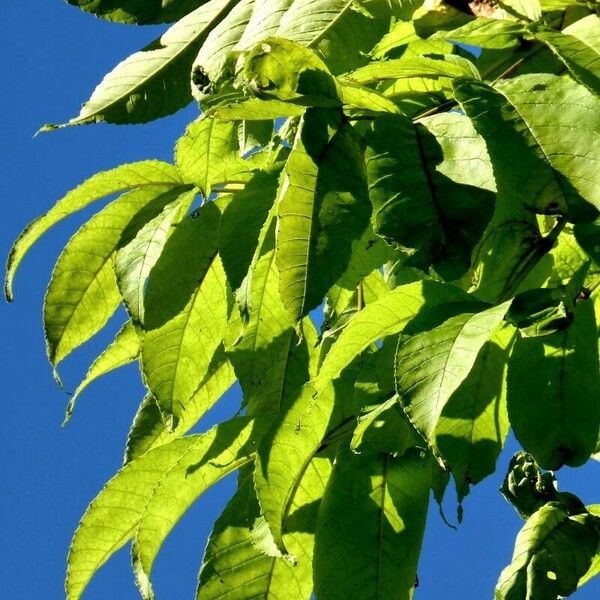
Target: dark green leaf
(554, 392)
(420, 198)
(371, 525)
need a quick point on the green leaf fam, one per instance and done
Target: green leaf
(473, 425)
(83, 293)
(286, 70)
(208, 155)
(154, 82)
(578, 47)
(285, 453)
(487, 33)
(270, 361)
(149, 430)
(371, 524)
(233, 565)
(552, 551)
(595, 566)
(421, 199)
(376, 419)
(161, 483)
(397, 311)
(254, 134)
(142, 174)
(136, 257)
(140, 12)
(213, 61)
(123, 350)
(431, 365)
(530, 10)
(557, 171)
(233, 446)
(560, 425)
(329, 26)
(322, 208)
(432, 65)
(186, 312)
(242, 221)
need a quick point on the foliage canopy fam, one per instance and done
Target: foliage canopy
(385, 225)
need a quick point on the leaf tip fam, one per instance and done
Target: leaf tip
(46, 128)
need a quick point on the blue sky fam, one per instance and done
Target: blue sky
(53, 57)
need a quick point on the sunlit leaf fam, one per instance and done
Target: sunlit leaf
(155, 81)
(123, 350)
(431, 365)
(185, 467)
(322, 208)
(143, 174)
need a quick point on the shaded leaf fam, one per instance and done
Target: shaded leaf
(553, 392)
(552, 551)
(421, 200)
(473, 425)
(231, 446)
(233, 565)
(136, 257)
(557, 170)
(186, 312)
(285, 453)
(376, 503)
(578, 47)
(149, 429)
(242, 221)
(140, 12)
(397, 311)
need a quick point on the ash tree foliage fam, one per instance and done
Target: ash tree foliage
(355, 165)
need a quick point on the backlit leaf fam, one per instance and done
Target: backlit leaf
(135, 175)
(431, 365)
(83, 293)
(123, 350)
(149, 429)
(186, 312)
(322, 208)
(182, 469)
